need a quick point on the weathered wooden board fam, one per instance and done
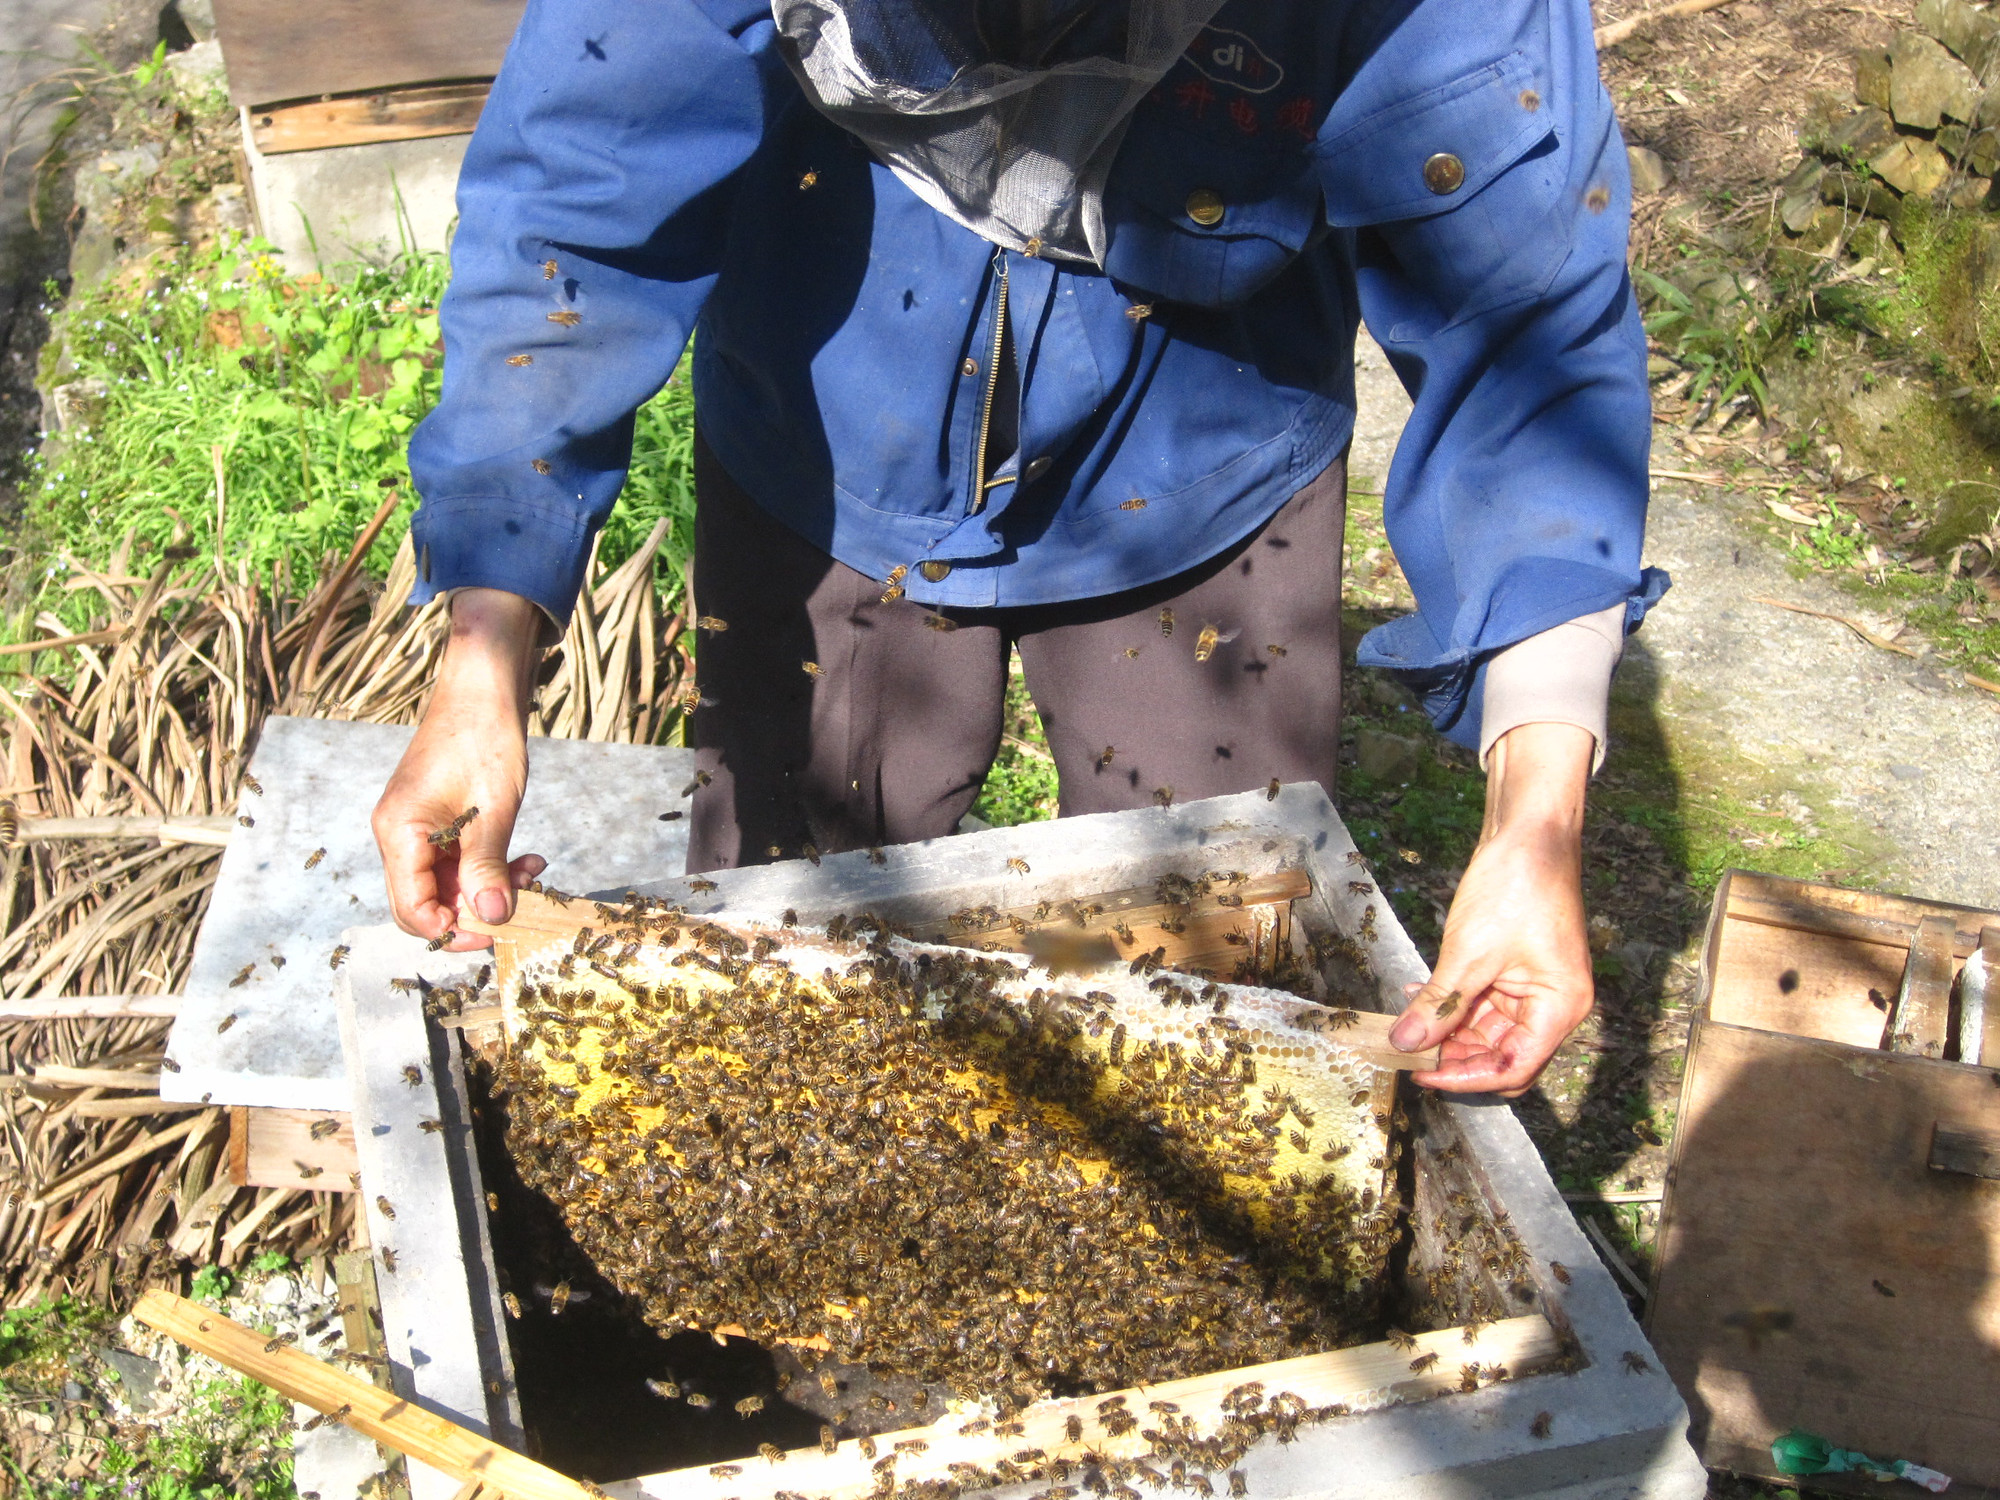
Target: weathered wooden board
(403, 114)
(281, 50)
(278, 1148)
(1815, 1271)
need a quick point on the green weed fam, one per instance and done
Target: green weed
(231, 1438)
(210, 1284)
(1021, 786)
(41, 1335)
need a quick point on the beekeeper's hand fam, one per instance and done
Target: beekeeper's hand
(1513, 973)
(471, 751)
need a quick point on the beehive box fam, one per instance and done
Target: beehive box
(1827, 1259)
(1580, 1406)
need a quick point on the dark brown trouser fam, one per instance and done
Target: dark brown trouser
(891, 743)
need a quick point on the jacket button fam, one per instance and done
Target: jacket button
(1036, 469)
(970, 367)
(1205, 207)
(935, 572)
(1444, 173)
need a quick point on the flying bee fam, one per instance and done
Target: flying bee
(512, 1304)
(1137, 502)
(1635, 1362)
(1018, 866)
(1163, 796)
(1423, 1362)
(306, 1173)
(771, 1452)
(242, 975)
(1132, 653)
(700, 886)
(567, 317)
(1275, 649)
(389, 1261)
(449, 833)
(1212, 636)
(246, 821)
(940, 622)
(319, 1130)
(227, 1022)
(808, 178)
(1560, 1271)
(710, 622)
(721, 1471)
(749, 1406)
(250, 784)
(412, 1074)
(430, 1127)
(1166, 622)
(877, 857)
(1539, 1428)
(812, 669)
(313, 859)
(548, 270)
(540, 465)
(388, 1209)
(517, 360)
(1271, 790)
(701, 778)
(698, 1401)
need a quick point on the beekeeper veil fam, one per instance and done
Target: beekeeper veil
(1002, 114)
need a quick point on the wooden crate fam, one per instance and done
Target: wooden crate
(1829, 1245)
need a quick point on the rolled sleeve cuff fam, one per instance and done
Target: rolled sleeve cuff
(1562, 676)
(521, 548)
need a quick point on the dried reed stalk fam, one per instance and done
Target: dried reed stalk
(153, 716)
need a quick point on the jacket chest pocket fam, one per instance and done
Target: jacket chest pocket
(1192, 221)
(1464, 182)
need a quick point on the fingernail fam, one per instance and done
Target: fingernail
(1407, 1034)
(491, 905)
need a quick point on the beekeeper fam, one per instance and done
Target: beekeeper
(1029, 325)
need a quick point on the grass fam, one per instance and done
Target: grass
(229, 406)
(1021, 786)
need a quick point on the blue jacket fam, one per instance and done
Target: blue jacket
(1449, 169)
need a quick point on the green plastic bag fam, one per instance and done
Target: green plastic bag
(1799, 1452)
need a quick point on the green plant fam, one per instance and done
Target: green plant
(230, 1440)
(1021, 786)
(271, 1260)
(1724, 353)
(47, 1330)
(210, 1284)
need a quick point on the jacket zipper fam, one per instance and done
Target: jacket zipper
(992, 386)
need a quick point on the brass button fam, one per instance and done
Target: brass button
(935, 572)
(1036, 469)
(1444, 173)
(970, 367)
(1205, 207)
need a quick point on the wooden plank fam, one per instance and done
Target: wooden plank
(1964, 1148)
(1979, 1004)
(1835, 911)
(1838, 988)
(1366, 1377)
(89, 1007)
(128, 1109)
(132, 1080)
(185, 830)
(405, 114)
(1921, 1022)
(369, 1410)
(282, 50)
(1813, 1270)
(277, 1148)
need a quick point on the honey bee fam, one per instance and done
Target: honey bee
(1132, 653)
(1299, 1143)
(313, 859)
(912, 1445)
(1163, 796)
(1166, 622)
(1560, 1271)
(513, 1305)
(430, 1127)
(1397, 1339)
(1137, 502)
(812, 669)
(1271, 790)
(242, 975)
(227, 1022)
(940, 622)
(1635, 1362)
(722, 1471)
(700, 886)
(1275, 650)
(244, 820)
(412, 1074)
(698, 1401)
(1239, 1486)
(539, 465)
(672, 817)
(1540, 1427)
(567, 317)
(1422, 1363)
(1468, 1377)
(389, 1260)
(1448, 1005)
(771, 1452)
(10, 823)
(749, 1406)
(877, 857)
(829, 1440)
(517, 360)
(1138, 312)
(1018, 866)
(441, 940)
(449, 833)
(387, 1208)
(1212, 636)
(548, 270)
(250, 784)
(1072, 1428)
(306, 1173)
(711, 622)
(867, 1445)
(892, 586)
(811, 851)
(776, 851)
(810, 176)
(320, 1129)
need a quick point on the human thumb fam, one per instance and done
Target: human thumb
(484, 882)
(1436, 1009)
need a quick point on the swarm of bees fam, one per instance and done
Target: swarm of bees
(1026, 1183)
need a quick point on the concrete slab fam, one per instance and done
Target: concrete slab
(583, 812)
(355, 203)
